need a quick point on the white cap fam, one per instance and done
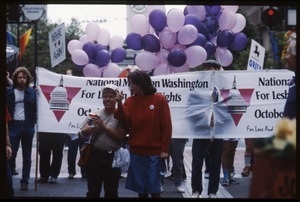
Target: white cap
(111, 86)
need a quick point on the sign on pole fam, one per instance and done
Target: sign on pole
(256, 56)
(57, 44)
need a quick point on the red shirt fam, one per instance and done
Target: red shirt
(149, 121)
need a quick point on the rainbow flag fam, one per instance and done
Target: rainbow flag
(23, 41)
(10, 38)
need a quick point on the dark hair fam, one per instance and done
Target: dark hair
(142, 79)
(25, 71)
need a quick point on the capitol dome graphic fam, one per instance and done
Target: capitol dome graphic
(59, 96)
(236, 103)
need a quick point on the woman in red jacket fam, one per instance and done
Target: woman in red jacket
(147, 116)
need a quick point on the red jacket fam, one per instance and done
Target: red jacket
(149, 121)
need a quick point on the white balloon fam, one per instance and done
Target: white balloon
(240, 23)
(227, 20)
(92, 30)
(175, 19)
(140, 24)
(83, 39)
(79, 57)
(146, 61)
(104, 37)
(183, 68)
(116, 41)
(230, 8)
(195, 55)
(187, 34)
(92, 70)
(167, 38)
(162, 69)
(74, 44)
(223, 56)
(111, 70)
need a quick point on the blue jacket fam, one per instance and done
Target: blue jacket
(290, 104)
(30, 105)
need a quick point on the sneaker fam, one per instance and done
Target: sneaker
(24, 186)
(170, 177)
(232, 174)
(206, 175)
(53, 180)
(195, 195)
(180, 189)
(14, 172)
(43, 180)
(246, 171)
(161, 188)
(71, 176)
(212, 195)
(233, 181)
(225, 182)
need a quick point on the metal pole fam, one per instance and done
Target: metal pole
(35, 51)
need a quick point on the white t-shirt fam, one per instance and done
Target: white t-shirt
(19, 113)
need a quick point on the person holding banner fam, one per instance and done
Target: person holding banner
(51, 146)
(290, 58)
(22, 106)
(212, 148)
(146, 115)
(106, 136)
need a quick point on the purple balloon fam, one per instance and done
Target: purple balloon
(210, 49)
(99, 47)
(215, 10)
(150, 43)
(134, 41)
(192, 19)
(202, 28)
(118, 55)
(177, 58)
(240, 42)
(158, 19)
(225, 38)
(102, 58)
(200, 41)
(211, 24)
(89, 48)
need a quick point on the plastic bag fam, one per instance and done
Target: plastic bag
(121, 159)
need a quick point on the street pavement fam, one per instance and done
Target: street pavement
(76, 188)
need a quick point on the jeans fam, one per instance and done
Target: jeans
(20, 132)
(9, 189)
(199, 149)
(176, 151)
(74, 146)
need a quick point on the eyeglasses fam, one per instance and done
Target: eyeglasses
(22, 77)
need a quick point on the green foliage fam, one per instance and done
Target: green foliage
(73, 31)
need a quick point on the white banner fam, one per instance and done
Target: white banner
(250, 102)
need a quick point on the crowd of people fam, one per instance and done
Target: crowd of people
(150, 140)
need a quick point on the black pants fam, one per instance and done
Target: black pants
(51, 144)
(99, 171)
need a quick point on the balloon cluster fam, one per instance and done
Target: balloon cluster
(96, 53)
(179, 40)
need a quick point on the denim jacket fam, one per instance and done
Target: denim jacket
(30, 105)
